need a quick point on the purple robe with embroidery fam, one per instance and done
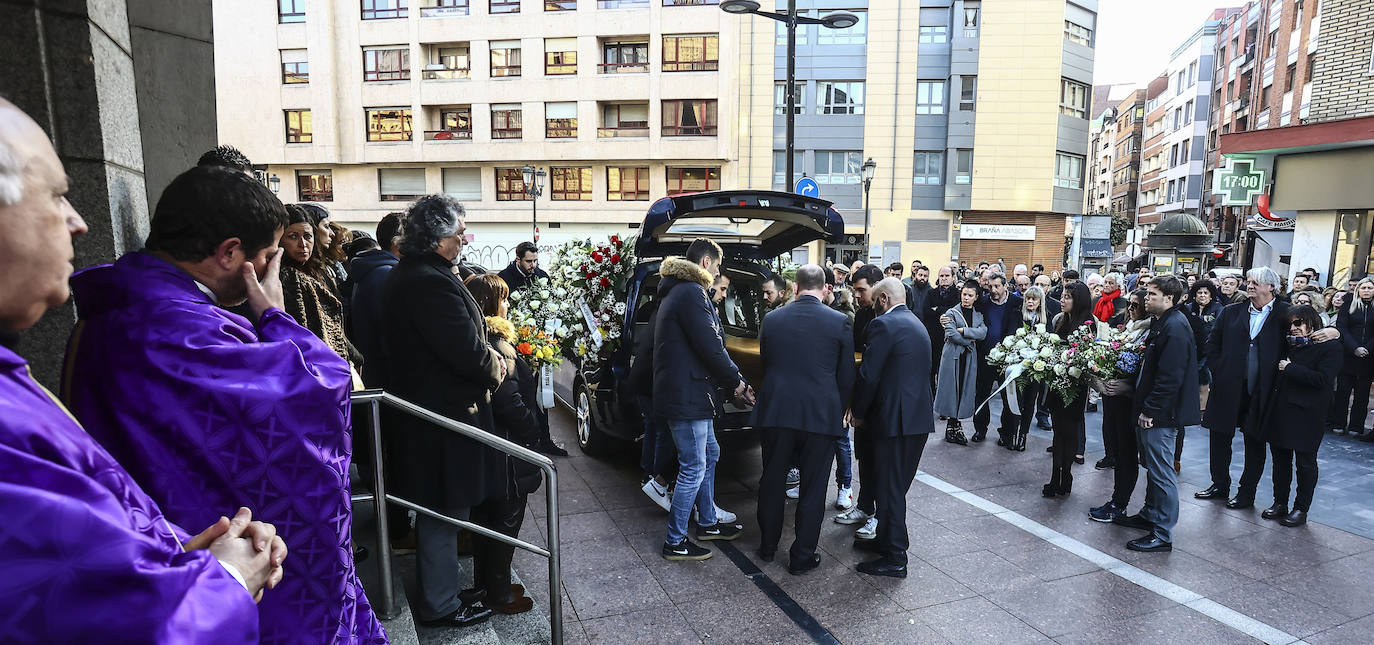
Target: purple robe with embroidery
(210, 412)
(85, 554)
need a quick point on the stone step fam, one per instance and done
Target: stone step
(400, 628)
(529, 628)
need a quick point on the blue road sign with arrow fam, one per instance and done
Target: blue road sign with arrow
(808, 187)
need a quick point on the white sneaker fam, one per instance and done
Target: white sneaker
(722, 515)
(794, 492)
(852, 516)
(793, 477)
(868, 531)
(844, 500)
(658, 493)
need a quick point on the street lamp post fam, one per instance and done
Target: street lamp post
(534, 187)
(274, 182)
(791, 19)
(867, 169)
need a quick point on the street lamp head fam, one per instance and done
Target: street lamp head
(868, 168)
(274, 182)
(528, 174)
(839, 20)
(738, 7)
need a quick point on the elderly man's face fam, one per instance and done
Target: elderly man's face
(36, 248)
(946, 277)
(998, 288)
(1229, 286)
(1043, 281)
(1258, 292)
(1023, 282)
(856, 266)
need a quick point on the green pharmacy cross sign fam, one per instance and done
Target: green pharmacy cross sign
(1239, 182)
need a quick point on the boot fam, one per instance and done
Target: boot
(1019, 443)
(1066, 482)
(1051, 489)
(954, 433)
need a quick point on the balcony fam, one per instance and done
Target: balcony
(623, 132)
(448, 135)
(622, 68)
(691, 66)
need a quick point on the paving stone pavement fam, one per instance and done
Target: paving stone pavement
(974, 577)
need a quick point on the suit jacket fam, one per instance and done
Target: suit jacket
(893, 395)
(1227, 347)
(809, 349)
(1166, 389)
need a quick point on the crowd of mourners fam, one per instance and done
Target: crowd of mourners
(190, 481)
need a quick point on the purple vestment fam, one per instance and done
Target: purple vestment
(211, 412)
(85, 554)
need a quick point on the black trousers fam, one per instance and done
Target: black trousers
(897, 459)
(1032, 405)
(491, 559)
(1118, 431)
(397, 516)
(1348, 413)
(814, 454)
(1067, 419)
(1220, 458)
(1283, 476)
(986, 378)
(868, 483)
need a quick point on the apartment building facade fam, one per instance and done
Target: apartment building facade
(1127, 130)
(362, 105)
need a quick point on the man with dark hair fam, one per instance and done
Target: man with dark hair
(227, 157)
(1070, 276)
(894, 270)
(1164, 403)
(892, 384)
(690, 363)
(1036, 269)
(208, 409)
(810, 349)
(864, 511)
(367, 273)
(524, 268)
(919, 287)
(1001, 311)
(775, 291)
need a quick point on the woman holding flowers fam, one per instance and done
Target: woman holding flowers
(1066, 407)
(1034, 317)
(1125, 346)
(955, 389)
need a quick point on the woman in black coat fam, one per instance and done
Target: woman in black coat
(1356, 324)
(1067, 416)
(1293, 422)
(504, 511)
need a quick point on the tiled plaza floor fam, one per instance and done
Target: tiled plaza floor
(975, 577)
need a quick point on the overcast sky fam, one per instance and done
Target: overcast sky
(1135, 39)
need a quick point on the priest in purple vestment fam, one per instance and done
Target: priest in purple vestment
(209, 409)
(86, 555)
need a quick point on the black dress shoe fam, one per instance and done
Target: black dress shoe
(1297, 518)
(1133, 522)
(1277, 511)
(799, 568)
(870, 546)
(1149, 544)
(980, 435)
(548, 447)
(465, 615)
(1212, 492)
(766, 555)
(1002, 441)
(1239, 502)
(882, 568)
(1105, 463)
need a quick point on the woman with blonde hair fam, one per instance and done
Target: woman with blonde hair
(1330, 304)
(1355, 322)
(1034, 317)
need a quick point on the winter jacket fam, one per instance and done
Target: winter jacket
(1166, 390)
(1295, 416)
(512, 407)
(690, 361)
(1357, 330)
(367, 275)
(955, 395)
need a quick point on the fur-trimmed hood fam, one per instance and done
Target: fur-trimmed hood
(681, 269)
(498, 326)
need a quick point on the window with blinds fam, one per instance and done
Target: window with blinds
(463, 183)
(927, 230)
(560, 56)
(401, 184)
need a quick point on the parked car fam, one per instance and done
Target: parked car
(752, 228)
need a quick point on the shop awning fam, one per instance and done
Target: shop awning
(1280, 241)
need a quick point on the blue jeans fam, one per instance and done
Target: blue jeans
(656, 448)
(697, 454)
(844, 461)
(1161, 491)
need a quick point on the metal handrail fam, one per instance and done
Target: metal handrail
(380, 498)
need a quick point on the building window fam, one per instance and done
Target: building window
(838, 167)
(401, 184)
(934, 28)
(930, 97)
(454, 123)
(780, 166)
(505, 58)
(1292, 76)
(448, 63)
(624, 57)
(570, 184)
(463, 183)
(1073, 98)
(692, 180)
(780, 30)
(780, 97)
(970, 22)
(1183, 152)
(967, 91)
(389, 64)
(934, 34)
(289, 11)
(691, 53)
(505, 121)
(622, 4)
(1273, 43)
(1187, 113)
(314, 186)
(691, 118)
(627, 184)
(1068, 171)
(1312, 66)
(510, 185)
(385, 9)
(1173, 155)
(840, 97)
(856, 35)
(560, 120)
(560, 56)
(963, 166)
(1264, 97)
(388, 124)
(294, 67)
(1077, 33)
(298, 128)
(444, 8)
(930, 169)
(624, 120)
(504, 6)
(560, 5)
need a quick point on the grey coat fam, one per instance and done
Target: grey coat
(955, 392)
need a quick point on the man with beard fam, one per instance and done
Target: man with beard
(941, 298)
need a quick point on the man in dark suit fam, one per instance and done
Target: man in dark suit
(808, 349)
(942, 297)
(1164, 404)
(893, 379)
